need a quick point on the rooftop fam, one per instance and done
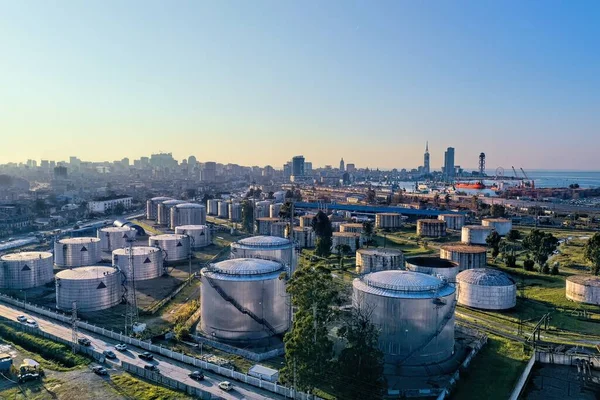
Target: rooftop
(484, 277)
(477, 227)
(432, 262)
(79, 240)
(586, 280)
(379, 251)
(26, 256)
(257, 241)
(83, 273)
(403, 284)
(245, 266)
(136, 250)
(167, 236)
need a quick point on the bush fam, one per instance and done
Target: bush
(528, 264)
(511, 261)
(545, 269)
(555, 270)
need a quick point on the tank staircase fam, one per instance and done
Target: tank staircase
(447, 318)
(240, 308)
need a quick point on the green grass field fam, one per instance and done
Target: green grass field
(134, 388)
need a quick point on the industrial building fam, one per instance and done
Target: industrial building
(414, 313)
(583, 289)
(453, 221)
(486, 289)
(26, 270)
(388, 221)
(350, 239)
(200, 235)
(175, 246)
(77, 252)
(378, 259)
(433, 266)
(152, 206)
(113, 237)
(94, 288)
(147, 262)
(244, 299)
(500, 225)
(475, 234)
(431, 228)
(101, 206)
(187, 214)
(466, 256)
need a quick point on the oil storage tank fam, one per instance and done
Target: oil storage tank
(351, 227)
(200, 235)
(244, 299)
(583, 289)
(414, 313)
(388, 221)
(500, 225)
(212, 206)
(115, 237)
(434, 266)
(304, 238)
(487, 289)
(94, 288)
(279, 229)
(26, 270)
(453, 221)
(188, 214)
(263, 225)
(306, 220)
(274, 210)
(235, 212)
(223, 209)
(350, 239)
(76, 252)
(176, 247)
(466, 256)
(475, 234)
(147, 262)
(264, 247)
(431, 228)
(164, 211)
(152, 206)
(263, 209)
(378, 259)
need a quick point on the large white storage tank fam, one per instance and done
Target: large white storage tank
(188, 214)
(350, 239)
(263, 225)
(453, 221)
(152, 206)
(77, 252)
(475, 234)
(26, 270)
(164, 211)
(414, 313)
(388, 221)
(351, 227)
(306, 220)
(244, 299)
(147, 262)
(200, 235)
(235, 212)
(487, 289)
(500, 225)
(583, 289)
(279, 229)
(94, 288)
(433, 266)
(263, 209)
(265, 247)
(274, 210)
(466, 256)
(176, 247)
(212, 206)
(223, 209)
(113, 237)
(431, 228)
(304, 238)
(378, 259)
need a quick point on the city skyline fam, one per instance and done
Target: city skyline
(237, 82)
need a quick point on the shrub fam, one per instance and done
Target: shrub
(545, 269)
(555, 270)
(511, 261)
(528, 264)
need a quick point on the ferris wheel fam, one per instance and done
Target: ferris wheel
(499, 172)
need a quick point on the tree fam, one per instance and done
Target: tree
(206, 197)
(528, 264)
(371, 196)
(190, 194)
(513, 235)
(119, 209)
(511, 261)
(368, 231)
(342, 251)
(493, 240)
(247, 216)
(271, 196)
(360, 364)
(540, 245)
(447, 198)
(323, 231)
(436, 199)
(40, 207)
(592, 252)
(285, 212)
(498, 210)
(308, 349)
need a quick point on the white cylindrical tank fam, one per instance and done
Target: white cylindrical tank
(223, 209)
(351, 227)
(433, 266)
(235, 212)
(348, 238)
(263, 209)
(94, 288)
(263, 225)
(583, 289)
(200, 235)
(164, 211)
(453, 221)
(487, 289)
(388, 221)
(152, 206)
(466, 256)
(306, 220)
(378, 259)
(212, 206)
(113, 237)
(475, 234)
(25, 270)
(188, 214)
(413, 312)
(274, 210)
(500, 225)
(147, 262)
(265, 247)
(176, 247)
(431, 228)
(279, 229)
(244, 299)
(304, 238)
(77, 252)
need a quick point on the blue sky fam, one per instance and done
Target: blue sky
(257, 82)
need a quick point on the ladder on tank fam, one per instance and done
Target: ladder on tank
(237, 305)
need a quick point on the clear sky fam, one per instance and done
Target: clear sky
(255, 82)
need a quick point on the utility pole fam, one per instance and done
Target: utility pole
(131, 313)
(74, 333)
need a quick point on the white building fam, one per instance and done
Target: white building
(102, 205)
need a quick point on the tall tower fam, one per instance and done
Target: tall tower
(449, 164)
(342, 165)
(426, 168)
(482, 164)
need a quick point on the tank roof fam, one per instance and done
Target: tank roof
(191, 227)
(497, 219)
(430, 221)
(172, 202)
(484, 277)
(84, 273)
(189, 205)
(389, 213)
(26, 256)
(346, 234)
(451, 215)
(586, 280)
(477, 227)
(268, 219)
(117, 229)
(160, 198)
(302, 228)
(168, 236)
(403, 284)
(379, 251)
(79, 240)
(353, 224)
(431, 262)
(245, 266)
(257, 241)
(463, 248)
(137, 250)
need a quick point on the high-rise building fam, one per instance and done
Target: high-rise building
(426, 167)
(209, 172)
(307, 168)
(350, 168)
(449, 163)
(342, 165)
(298, 166)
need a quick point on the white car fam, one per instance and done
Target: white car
(22, 318)
(121, 347)
(32, 323)
(225, 385)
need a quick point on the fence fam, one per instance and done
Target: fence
(196, 362)
(250, 355)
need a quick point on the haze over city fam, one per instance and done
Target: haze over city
(254, 82)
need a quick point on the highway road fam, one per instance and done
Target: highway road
(167, 366)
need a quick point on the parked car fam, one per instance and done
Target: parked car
(98, 370)
(22, 318)
(32, 323)
(109, 354)
(84, 341)
(225, 385)
(121, 347)
(146, 356)
(197, 375)
(151, 367)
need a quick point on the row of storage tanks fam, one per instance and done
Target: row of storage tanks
(470, 234)
(173, 213)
